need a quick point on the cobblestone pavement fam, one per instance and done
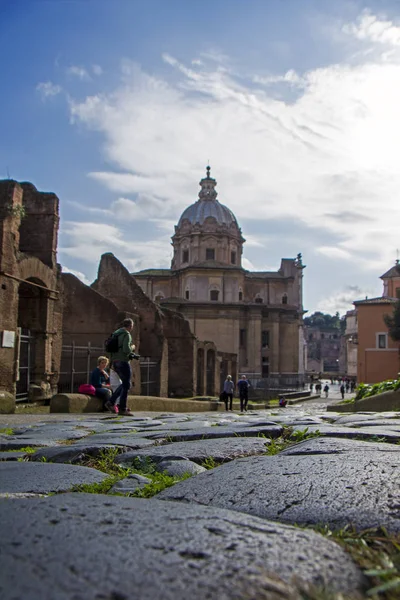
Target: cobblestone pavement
(221, 526)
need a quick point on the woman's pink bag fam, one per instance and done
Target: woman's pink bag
(87, 389)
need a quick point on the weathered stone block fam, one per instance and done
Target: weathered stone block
(7, 403)
(75, 403)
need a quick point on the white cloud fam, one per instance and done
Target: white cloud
(48, 89)
(79, 72)
(334, 252)
(342, 300)
(77, 274)
(87, 241)
(327, 157)
(290, 77)
(97, 70)
(370, 28)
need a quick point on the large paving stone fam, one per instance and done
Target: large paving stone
(11, 442)
(71, 454)
(43, 478)
(12, 455)
(362, 488)
(221, 450)
(130, 440)
(200, 433)
(179, 468)
(330, 445)
(389, 434)
(57, 548)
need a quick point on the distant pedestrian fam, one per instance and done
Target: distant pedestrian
(282, 401)
(229, 387)
(342, 391)
(352, 385)
(243, 386)
(326, 390)
(100, 380)
(311, 386)
(347, 386)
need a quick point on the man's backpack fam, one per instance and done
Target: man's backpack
(111, 344)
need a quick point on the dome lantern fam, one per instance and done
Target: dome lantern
(207, 229)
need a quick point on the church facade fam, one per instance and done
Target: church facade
(256, 317)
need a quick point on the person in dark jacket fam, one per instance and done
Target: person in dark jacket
(121, 365)
(229, 387)
(243, 386)
(99, 379)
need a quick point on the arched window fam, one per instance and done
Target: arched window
(284, 299)
(240, 296)
(214, 295)
(158, 297)
(258, 299)
(187, 294)
(185, 255)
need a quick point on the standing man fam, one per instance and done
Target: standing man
(243, 386)
(121, 364)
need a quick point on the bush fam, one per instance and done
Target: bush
(365, 391)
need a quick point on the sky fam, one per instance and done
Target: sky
(117, 106)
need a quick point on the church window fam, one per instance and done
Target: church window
(284, 299)
(187, 294)
(240, 296)
(185, 256)
(210, 254)
(233, 258)
(258, 299)
(242, 338)
(214, 295)
(265, 339)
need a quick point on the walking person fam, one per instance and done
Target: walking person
(100, 380)
(326, 390)
(243, 386)
(229, 386)
(342, 389)
(121, 364)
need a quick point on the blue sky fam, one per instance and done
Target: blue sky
(116, 106)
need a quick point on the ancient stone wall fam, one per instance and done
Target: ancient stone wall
(30, 289)
(39, 227)
(90, 317)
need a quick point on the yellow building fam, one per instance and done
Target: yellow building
(257, 316)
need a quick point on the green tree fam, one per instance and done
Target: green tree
(393, 322)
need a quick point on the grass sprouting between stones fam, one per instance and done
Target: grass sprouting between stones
(6, 431)
(376, 552)
(106, 462)
(288, 438)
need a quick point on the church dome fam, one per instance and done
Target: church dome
(208, 206)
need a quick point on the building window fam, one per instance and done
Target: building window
(242, 338)
(159, 297)
(258, 299)
(185, 256)
(265, 339)
(233, 258)
(240, 296)
(187, 294)
(265, 368)
(214, 295)
(381, 340)
(210, 254)
(284, 299)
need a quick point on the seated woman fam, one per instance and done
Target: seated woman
(99, 379)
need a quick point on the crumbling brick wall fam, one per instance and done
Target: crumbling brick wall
(90, 317)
